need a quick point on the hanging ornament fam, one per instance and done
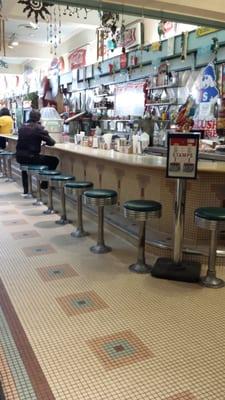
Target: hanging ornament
(60, 25)
(184, 46)
(55, 32)
(38, 8)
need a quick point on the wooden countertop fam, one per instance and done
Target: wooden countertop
(143, 161)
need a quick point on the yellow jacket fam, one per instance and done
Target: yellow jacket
(6, 125)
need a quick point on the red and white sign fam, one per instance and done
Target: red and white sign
(123, 61)
(209, 127)
(182, 155)
(133, 35)
(77, 59)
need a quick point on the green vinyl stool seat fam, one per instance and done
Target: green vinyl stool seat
(211, 213)
(212, 219)
(100, 198)
(60, 181)
(6, 158)
(46, 175)
(141, 210)
(79, 187)
(33, 169)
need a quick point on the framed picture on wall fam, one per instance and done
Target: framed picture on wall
(81, 74)
(89, 73)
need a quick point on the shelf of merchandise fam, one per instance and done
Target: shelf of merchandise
(104, 95)
(161, 104)
(162, 87)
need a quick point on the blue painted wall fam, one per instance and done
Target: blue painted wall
(199, 54)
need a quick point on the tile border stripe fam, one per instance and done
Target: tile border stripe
(34, 371)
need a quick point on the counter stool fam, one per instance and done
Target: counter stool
(6, 157)
(59, 181)
(46, 176)
(100, 198)
(34, 170)
(213, 219)
(80, 187)
(27, 167)
(141, 210)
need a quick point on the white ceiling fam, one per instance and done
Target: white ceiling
(17, 22)
(70, 25)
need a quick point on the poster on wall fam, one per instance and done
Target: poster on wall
(208, 94)
(77, 59)
(182, 155)
(134, 35)
(129, 99)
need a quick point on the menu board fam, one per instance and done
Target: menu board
(129, 99)
(182, 155)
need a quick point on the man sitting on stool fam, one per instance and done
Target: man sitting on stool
(30, 137)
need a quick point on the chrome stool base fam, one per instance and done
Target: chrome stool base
(100, 249)
(79, 233)
(28, 196)
(38, 203)
(140, 268)
(63, 221)
(212, 282)
(10, 180)
(49, 211)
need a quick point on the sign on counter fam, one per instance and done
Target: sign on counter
(182, 155)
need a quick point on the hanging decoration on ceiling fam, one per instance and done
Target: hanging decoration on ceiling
(75, 11)
(2, 35)
(184, 46)
(38, 8)
(164, 27)
(3, 64)
(110, 34)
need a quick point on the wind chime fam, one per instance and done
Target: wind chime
(2, 33)
(54, 30)
(53, 17)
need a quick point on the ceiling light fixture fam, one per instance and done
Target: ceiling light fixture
(13, 41)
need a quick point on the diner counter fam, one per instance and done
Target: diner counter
(144, 177)
(144, 161)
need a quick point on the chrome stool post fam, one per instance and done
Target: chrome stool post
(100, 198)
(80, 188)
(60, 181)
(46, 176)
(213, 219)
(35, 170)
(7, 156)
(141, 210)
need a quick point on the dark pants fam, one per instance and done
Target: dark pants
(50, 161)
(2, 143)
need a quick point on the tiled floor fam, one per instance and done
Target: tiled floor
(78, 326)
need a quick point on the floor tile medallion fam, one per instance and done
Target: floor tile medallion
(81, 303)
(120, 349)
(55, 272)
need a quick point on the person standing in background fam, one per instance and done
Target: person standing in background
(6, 126)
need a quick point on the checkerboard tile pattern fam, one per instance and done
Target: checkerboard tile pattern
(38, 250)
(8, 212)
(182, 396)
(25, 235)
(120, 349)
(15, 222)
(56, 272)
(81, 303)
(100, 333)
